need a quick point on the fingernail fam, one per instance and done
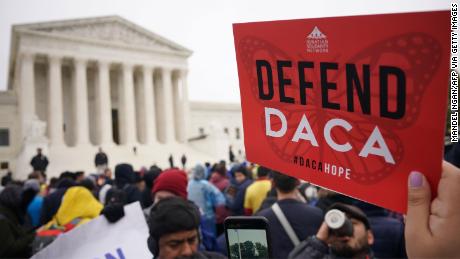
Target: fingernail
(415, 179)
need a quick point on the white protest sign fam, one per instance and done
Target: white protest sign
(99, 239)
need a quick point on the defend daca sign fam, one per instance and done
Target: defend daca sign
(352, 104)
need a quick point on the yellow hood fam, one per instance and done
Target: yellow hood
(78, 202)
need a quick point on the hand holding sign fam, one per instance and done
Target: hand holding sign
(432, 227)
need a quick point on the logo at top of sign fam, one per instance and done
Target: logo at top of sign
(317, 42)
(316, 34)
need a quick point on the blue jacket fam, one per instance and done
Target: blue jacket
(237, 204)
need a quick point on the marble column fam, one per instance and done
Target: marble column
(80, 101)
(127, 110)
(27, 86)
(149, 106)
(168, 108)
(103, 104)
(184, 107)
(177, 105)
(55, 109)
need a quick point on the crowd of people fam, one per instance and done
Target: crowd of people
(185, 210)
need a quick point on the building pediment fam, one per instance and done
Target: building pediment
(110, 30)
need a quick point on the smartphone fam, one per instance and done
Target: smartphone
(247, 237)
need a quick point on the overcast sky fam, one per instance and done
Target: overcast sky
(204, 26)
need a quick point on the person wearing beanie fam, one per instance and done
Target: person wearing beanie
(124, 190)
(171, 182)
(174, 230)
(328, 245)
(149, 178)
(206, 196)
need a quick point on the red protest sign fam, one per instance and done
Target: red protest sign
(352, 104)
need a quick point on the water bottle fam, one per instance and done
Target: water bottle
(338, 223)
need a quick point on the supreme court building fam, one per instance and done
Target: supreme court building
(77, 85)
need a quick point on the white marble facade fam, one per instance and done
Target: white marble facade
(81, 84)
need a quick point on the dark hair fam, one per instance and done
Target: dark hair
(53, 182)
(241, 169)
(88, 184)
(171, 215)
(150, 176)
(33, 175)
(284, 183)
(263, 171)
(68, 175)
(65, 183)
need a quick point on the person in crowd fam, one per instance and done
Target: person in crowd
(101, 161)
(257, 191)
(15, 239)
(326, 244)
(52, 186)
(219, 177)
(206, 196)
(171, 161)
(183, 160)
(78, 207)
(309, 192)
(104, 183)
(6, 179)
(149, 179)
(242, 182)
(52, 201)
(79, 176)
(139, 181)
(124, 190)
(304, 219)
(39, 162)
(90, 184)
(432, 225)
(35, 206)
(174, 230)
(388, 231)
(171, 182)
(231, 155)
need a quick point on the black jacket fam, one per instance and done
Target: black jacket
(314, 248)
(39, 163)
(15, 241)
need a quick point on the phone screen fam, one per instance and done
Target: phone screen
(247, 243)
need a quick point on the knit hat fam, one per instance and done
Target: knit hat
(172, 180)
(124, 174)
(171, 215)
(351, 212)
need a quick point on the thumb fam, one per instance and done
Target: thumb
(418, 206)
